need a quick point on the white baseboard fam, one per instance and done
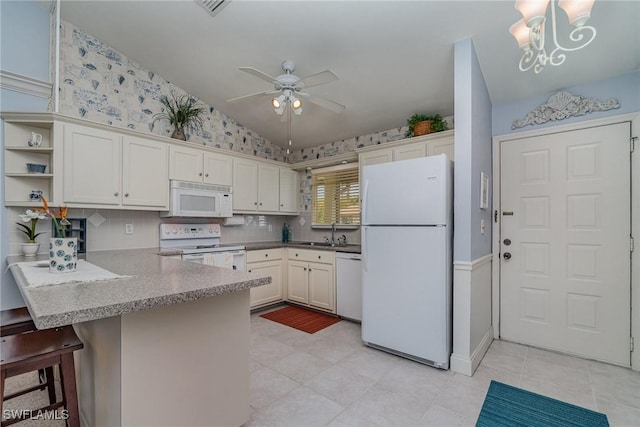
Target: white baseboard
(468, 365)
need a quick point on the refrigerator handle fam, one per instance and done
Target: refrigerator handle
(364, 247)
(364, 202)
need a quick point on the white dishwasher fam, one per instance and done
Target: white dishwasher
(349, 285)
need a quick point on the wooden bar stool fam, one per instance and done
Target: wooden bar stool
(17, 321)
(42, 349)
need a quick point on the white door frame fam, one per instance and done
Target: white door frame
(634, 118)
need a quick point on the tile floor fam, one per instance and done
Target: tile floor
(330, 379)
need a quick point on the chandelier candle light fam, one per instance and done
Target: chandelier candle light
(529, 32)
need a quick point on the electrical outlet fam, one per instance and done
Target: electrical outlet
(128, 228)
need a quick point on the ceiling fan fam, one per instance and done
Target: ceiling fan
(287, 89)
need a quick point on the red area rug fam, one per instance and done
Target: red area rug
(301, 319)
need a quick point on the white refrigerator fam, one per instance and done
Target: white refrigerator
(407, 258)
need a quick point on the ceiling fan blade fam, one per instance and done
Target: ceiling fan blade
(254, 95)
(318, 79)
(323, 102)
(259, 74)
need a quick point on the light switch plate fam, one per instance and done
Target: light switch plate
(128, 228)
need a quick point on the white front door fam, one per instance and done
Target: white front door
(565, 277)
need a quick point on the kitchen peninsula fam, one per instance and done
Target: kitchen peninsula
(166, 344)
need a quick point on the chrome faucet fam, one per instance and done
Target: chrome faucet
(333, 233)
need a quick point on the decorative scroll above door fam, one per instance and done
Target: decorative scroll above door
(563, 105)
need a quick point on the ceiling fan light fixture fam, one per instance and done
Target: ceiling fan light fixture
(296, 103)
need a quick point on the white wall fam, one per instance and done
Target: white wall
(24, 31)
(472, 331)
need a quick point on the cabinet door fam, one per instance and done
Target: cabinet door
(271, 292)
(185, 164)
(218, 169)
(375, 158)
(298, 282)
(245, 185)
(92, 166)
(268, 188)
(321, 286)
(288, 190)
(445, 146)
(411, 151)
(145, 173)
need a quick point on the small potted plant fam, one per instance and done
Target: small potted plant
(31, 247)
(422, 124)
(183, 112)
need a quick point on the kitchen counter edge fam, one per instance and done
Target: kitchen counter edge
(153, 281)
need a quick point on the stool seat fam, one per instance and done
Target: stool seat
(42, 349)
(15, 321)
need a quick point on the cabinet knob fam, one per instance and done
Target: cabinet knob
(305, 269)
(266, 255)
(249, 271)
(260, 203)
(200, 174)
(126, 194)
(319, 256)
(255, 203)
(309, 269)
(281, 205)
(296, 254)
(116, 194)
(206, 174)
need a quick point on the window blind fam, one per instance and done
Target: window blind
(335, 195)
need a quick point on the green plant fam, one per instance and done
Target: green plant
(183, 112)
(438, 124)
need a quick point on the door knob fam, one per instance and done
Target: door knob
(507, 255)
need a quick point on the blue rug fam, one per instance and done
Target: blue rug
(505, 405)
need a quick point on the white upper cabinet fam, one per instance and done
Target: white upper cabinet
(92, 166)
(145, 173)
(105, 168)
(256, 186)
(412, 148)
(268, 188)
(245, 185)
(193, 165)
(288, 191)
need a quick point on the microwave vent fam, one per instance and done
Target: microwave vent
(196, 186)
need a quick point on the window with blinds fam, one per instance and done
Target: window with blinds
(335, 196)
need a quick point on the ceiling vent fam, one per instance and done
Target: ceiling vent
(213, 6)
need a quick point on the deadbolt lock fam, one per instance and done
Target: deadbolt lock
(507, 242)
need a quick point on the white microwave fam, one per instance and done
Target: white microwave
(188, 199)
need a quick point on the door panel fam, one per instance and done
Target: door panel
(565, 201)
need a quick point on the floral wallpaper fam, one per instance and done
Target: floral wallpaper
(100, 84)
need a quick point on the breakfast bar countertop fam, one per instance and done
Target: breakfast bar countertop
(149, 281)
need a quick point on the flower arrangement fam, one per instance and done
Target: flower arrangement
(33, 217)
(59, 218)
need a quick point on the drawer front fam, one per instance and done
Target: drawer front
(264, 255)
(325, 257)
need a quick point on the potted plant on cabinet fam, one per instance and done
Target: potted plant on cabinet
(422, 124)
(31, 247)
(183, 112)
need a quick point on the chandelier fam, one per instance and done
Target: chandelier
(529, 32)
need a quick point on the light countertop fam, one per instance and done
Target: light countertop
(155, 281)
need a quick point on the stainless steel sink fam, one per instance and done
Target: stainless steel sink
(317, 244)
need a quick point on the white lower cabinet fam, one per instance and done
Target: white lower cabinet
(267, 262)
(311, 278)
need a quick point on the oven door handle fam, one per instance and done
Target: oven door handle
(192, 256)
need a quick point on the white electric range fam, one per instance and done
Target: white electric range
(200, 243)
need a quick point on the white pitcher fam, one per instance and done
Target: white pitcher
(36, 140)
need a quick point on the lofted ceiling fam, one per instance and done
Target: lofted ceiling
(394, 58)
